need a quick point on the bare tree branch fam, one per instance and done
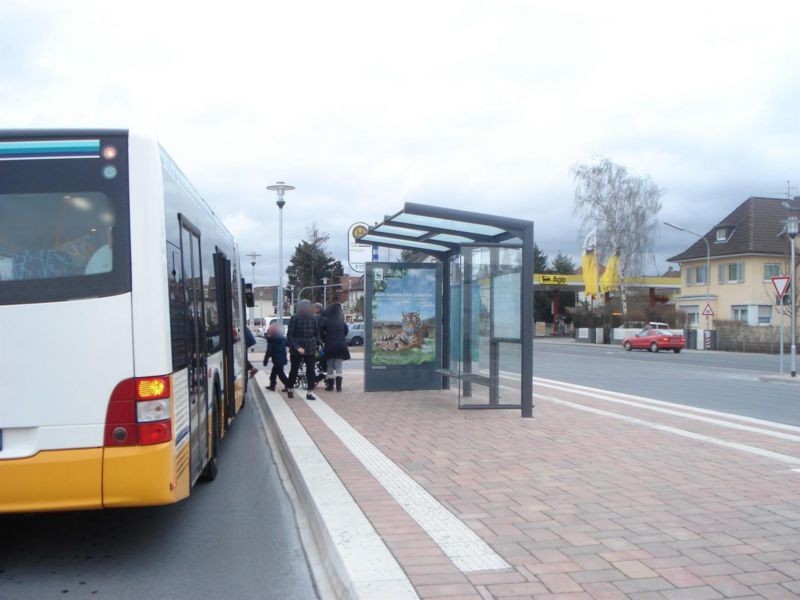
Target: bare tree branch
(624, 209)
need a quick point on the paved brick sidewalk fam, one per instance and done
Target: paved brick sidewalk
(581, 505)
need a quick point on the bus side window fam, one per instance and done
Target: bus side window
(177, 309)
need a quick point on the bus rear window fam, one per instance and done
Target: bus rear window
(46, 236)
(64, 231)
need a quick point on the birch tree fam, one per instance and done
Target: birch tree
(624, 208)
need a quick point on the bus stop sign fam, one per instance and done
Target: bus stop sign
(781, 283)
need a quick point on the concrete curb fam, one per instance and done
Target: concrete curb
(354, 557)
(779, 379)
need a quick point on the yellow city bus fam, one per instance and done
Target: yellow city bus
(121, 319)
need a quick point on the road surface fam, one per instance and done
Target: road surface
(723, 381)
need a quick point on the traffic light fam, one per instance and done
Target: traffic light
(249, 298)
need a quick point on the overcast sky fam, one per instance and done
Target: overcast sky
(475, 105)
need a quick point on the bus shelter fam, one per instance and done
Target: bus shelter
(485, 319)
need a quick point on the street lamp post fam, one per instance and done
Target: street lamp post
(791, 231)
(708, 262)
(324, 292)
(280, 188)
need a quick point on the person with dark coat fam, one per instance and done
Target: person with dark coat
(276, 350)
(250, 341)
(333, 331)
(304, 342)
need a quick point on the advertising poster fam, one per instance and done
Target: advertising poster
(403, 305)
(404, 316)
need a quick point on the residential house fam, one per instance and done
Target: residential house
(266, 297)
(350, 292)
(747, 250)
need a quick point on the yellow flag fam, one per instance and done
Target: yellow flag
(610, 279)
(589, 264)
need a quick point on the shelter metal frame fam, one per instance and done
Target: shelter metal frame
(444, 233)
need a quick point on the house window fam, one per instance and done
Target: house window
(734, 272)
(722, 234)
(739, 313)
(689, 276)
(771, 270)
(701, 275)
(764, 315)
(692, 313)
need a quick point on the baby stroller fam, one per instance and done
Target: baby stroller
(302, 378)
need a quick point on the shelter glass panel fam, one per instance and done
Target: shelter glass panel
(447, 224)
(404, 243)
(489, 362)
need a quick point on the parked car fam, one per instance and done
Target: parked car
(654, 340)
(259, 326)
(355, 334)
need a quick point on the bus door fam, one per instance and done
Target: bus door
(196, 334)
(222, 275)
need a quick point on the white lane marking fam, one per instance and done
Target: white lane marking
(586, 390)
(462, 545)
(678, 413)
(784, 458)
(635, 358)
(360, 550)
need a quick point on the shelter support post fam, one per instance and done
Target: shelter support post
(527, 322)
(466, 323)
(494, 346)
(446, 289)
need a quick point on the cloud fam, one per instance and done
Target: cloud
(473, 105)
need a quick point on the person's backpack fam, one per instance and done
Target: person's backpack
(249, 338)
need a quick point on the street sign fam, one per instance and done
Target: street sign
(707, 312)
(357, 254)
(781, 283)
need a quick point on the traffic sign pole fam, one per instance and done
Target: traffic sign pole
(781, 285)
(782, 326)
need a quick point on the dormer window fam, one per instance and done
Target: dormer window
(722, 234)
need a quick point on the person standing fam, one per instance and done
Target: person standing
(250, 341)
(276, 350)
(333, 331)
(303, 344)
(322, 363)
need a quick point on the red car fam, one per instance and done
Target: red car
(654, 340)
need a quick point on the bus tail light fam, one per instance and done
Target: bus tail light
(155, 432)
(139, 412)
